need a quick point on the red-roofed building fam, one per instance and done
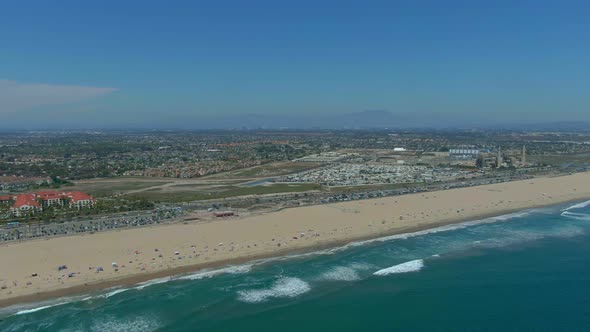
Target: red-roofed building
(34, 202)
(72, 199)
(25, 204)
(80, 199)
(6, 199)
(49, 198)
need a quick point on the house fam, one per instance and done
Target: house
(6, 199)
(35, 202)
(80, 200)
(72, 199)
(50, 198)
(25, 204)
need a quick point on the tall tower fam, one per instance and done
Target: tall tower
(523, 159)
(499, 158)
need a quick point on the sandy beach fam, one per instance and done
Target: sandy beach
(30, 269)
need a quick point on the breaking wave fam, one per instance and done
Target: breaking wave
(239, 269)
(152, 282)
(284, 287)
(28, 311)
(411, 266)
(576, 216)
(34, 307)
(115, 292)
(511, 216)
(577, 206)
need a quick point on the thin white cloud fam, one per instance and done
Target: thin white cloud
(15, 96)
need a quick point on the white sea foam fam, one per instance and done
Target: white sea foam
(28, 311)
(577, 206)
(411, 266)
(511, 216)
(575, 215)
(435, 230)
(34, 307)
(284, 287)
(239, 269)
(340, 273)
(115, 292)
(152, 282)
(106, 294)
(349, 272)
(294, 256)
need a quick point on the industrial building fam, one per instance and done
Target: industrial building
(464, 153)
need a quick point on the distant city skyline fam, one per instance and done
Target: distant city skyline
(328, 64)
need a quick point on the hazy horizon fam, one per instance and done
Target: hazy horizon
(366, 120)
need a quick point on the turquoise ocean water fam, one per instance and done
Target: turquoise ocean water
(527, 271)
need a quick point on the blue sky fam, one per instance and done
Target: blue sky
(167, 63)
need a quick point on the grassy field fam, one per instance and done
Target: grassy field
(223, 192)
(106, 187)
(218, 186)
(560, 159)
(102, 187)
(213, 186)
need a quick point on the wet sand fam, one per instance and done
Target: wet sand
(152, 252)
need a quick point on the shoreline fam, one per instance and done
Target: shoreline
(294, 248)
(98, 288)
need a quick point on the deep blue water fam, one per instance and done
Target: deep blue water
(528, 271)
